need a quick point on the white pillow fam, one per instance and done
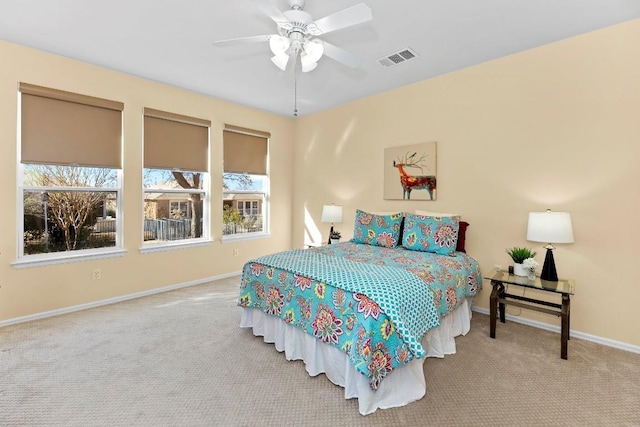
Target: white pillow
(440, 214)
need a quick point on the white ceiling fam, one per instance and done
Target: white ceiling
(170, 41)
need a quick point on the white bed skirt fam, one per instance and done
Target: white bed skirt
(401, 387)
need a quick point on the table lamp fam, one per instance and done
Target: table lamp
(549, 227)
(333, 214)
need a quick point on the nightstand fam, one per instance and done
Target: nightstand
(499, 298)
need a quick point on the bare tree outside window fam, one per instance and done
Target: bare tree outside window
(174, 205)
(66, 196)
(190, 180)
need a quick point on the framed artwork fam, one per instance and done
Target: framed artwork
(410, 172)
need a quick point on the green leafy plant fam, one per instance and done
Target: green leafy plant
(335, 234)
(519, 254)
(231, 215)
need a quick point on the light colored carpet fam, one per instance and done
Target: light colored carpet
(180, 359)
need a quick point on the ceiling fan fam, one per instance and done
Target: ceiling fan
(297, 32)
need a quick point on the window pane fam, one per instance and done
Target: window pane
(243, 202)
(59, 221)
(175, 213)
(164, 179)
(238, 220)
(172, 216)
(69, 176)
(243, 182)
(244, 198)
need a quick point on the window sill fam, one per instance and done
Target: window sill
(163, 247)
(42, 260)
(244, 236)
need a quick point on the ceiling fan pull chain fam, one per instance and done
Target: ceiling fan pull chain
(295, 90)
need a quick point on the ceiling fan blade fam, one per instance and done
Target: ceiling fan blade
(269, 9)
(243, 40)
(353, 15)
(341, 55)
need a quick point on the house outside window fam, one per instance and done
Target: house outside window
(244, 201)
(70, 176)
(245, 183)
(176, 179)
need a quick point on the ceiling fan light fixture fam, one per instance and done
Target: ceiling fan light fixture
(281, 61)
(314, 49)
(307, 64)
(279, 44)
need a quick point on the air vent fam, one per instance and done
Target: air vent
(398, 57)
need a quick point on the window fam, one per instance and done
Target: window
(180, 209)
(244, 200)
(69, 174)
(248, 207)
(176, 153)
(245, 182)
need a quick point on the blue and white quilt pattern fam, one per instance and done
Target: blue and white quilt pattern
(370, 302)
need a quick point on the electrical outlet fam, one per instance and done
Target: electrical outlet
(236, 252)
(96, 274)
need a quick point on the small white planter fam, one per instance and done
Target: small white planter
(519, 270)
(334, 241)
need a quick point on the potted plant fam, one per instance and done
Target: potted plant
(335, 236)
(518, 255)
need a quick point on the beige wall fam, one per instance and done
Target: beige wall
(29, 291)
(555, 127)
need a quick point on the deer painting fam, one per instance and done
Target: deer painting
(414, 182)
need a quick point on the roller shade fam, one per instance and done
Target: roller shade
(173, 141)
(245, 150)
(64, 128)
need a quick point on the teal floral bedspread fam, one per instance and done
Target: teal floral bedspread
(373, 303)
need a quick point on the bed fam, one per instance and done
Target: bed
(367, 312)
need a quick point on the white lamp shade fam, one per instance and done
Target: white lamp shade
(313, 49)
(281, 61)
(550, 227)
(332, 213)
(279, 44)
(311, 53)
(306, 64)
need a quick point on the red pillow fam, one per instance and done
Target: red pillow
(462, 229)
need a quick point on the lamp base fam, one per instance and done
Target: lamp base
(549, 267)
(330, 233)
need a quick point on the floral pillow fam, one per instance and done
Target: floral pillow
(461, 231)
(430, 234)
(377, 230)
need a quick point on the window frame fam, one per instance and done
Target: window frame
(266, 189)
(178, 125)
(62, 257)
(265, 214)
(165, 245)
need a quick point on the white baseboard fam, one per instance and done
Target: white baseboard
(114, 300)
(573, 333)
(541, 325)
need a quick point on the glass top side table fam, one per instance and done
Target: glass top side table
(562, 286)
(499, 298)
